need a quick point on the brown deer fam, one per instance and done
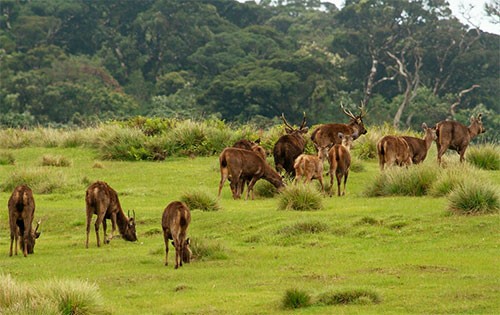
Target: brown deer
(102, 200)
(419, 147)
(251, 146)
(327, 134)
(21, 206)
(393, 150)
(456, 136)
(289, 147)
(310, 167)
(339, 157)
(174, 222)
(240, 164)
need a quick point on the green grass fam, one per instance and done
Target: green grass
(349, 296)
(6, 158)
(201, 200)
(55, 160)
(474, 197)
(404, 248)
(300, 197)
(294, 298)
(486, 156)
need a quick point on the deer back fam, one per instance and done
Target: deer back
(21, 205)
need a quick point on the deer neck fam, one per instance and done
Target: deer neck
(272, 176)
(428, 141)
(121, 221)
(473, 131)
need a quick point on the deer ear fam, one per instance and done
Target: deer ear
(472, 118)
(257, 141)
(288, 130)
(479, 117)
(305, 130)
(37, 234)
(355, 135)
(188, 241)
(340, 135)
(424, 125)
(173, 244)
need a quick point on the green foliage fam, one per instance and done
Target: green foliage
(6, 158)
(300, 198)
(474, 197)
(349, 296)
(295, 298)
(201, 200)
(485, 156)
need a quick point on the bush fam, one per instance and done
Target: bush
(200, 199)
(485, 156)
(206, 251)
(75, 297)
(452, 176)
(55, 160)
(264, 189)
(6, 158)
(295, 299)
(41, 181)
(301, 198)
(474, 197)
(348, 296)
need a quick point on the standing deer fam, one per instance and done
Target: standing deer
(456, 136)
(289, 147)
(175, 222)
(21, 206)
(102, 200)
(251, 146)
(419, 147)
(310, 167)
(240, 164)
(393, 150)
(339, 158)
(327, 134)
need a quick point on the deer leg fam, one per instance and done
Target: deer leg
(441, 151)
(223, 176)
(462, 154)
(98, 221)
(89, 219)
(339, 179)
(165, 237)
(104, 228)
(381, 161)
(331, 183)
(25, 236)
(320, 178)
(177, 254)
(250, 187)
(13, 234)
(345, 181)
(113, 224)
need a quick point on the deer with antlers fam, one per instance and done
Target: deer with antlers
(327, 134)
(289, 147)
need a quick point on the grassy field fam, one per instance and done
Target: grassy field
(408, 250)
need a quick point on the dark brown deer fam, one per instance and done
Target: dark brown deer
(419, 147)
(339, 157)
(393, 150)
(175, 222)
(289, 147)
(102, 200)
(251, 146)
(240, 164)
(327, 134)
(456, 136)
(21, 213)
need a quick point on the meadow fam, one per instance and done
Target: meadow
(410, 252)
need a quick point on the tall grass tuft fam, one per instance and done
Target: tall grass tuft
(486, 156)
(202, 250)
(55, 160)
(295, 298)
(474, 197)
(349, 296)
(454, 175)
(264, 189)
(41, 181)
(76, 297)
(301, 198)
(200, 199)
(6, 158)
(311, 227)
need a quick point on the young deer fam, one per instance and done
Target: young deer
(393, 150)
(419, 147)
(175, 222)
(310, 167)
(339, 158)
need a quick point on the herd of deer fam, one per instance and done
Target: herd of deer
(244, 164)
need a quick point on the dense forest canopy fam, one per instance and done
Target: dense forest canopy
(75, 61)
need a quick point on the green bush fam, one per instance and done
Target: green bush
(349, 296)
(295, 298)
(200, 199)
(484, 156)
(6, 158)
(55, 160)
(301, 198)
(264, 189)
(474, 197)
(451, 176)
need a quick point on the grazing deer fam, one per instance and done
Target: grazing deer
(339, 157)
(102, 200)
(456, 136)
(289, 147)
(310, 167)
(419, 147)
(21, 206)
(393, 150)
(327, 134)
(251, 146)
(241, 164)
(174, 222)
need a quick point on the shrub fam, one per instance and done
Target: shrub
(474, 197)
(41, 181)
(97, 164)
(265, 189)
(300, 197)
(485, 156)
(206, 251)
(55, 160)
(295, 298)
(348, 296)
(76, 297)
(200, 199)
(312, 227)
(6, 158)
(452, 176)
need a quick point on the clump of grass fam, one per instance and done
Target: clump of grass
(97, 164)
(76, 297)
(452, 176)
(312, 227)
(474, 197)
(486, 156)
(202, 250)
(265, 189)
(41, 181)
(152, 232)
(357, 165)
(200, 199)
(349, 296)
(369, 220)
(55, 160)
(6, 158)
(413, 181)
(300, 198)
(295, 298)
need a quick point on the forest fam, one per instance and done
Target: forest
(77, 62)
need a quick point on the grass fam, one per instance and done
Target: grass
(301, 198)
(416, 258)
(349, 296)
(41, 181)
(6, 158)
(295, 298)
(201, 200)
(486, 156)
(474, 197)
(55, 160)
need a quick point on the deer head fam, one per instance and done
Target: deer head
(31, 238)
(430, 133)
(130, 231)
(295, 132)
(476, 124)
(356, 121)
(186, 253)
(347, 140)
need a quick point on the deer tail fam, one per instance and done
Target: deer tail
(183, 221)
(223, 161)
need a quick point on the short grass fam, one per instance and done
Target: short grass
(415, 257)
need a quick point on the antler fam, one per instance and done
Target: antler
(286, 123)
(350, 114)
(361, 114)
(133, 211)
(303, 121)
(38, 224)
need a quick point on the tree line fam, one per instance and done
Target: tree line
(409, 61)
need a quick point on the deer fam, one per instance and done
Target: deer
(175, 222)
(456, 136)
(420, 147)
(289, 147)
(102, 200)
(21, 206)
(339, 158)
(327, 134)
(310, 167)
(393, 150)
(251, 146)
(241, 164)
